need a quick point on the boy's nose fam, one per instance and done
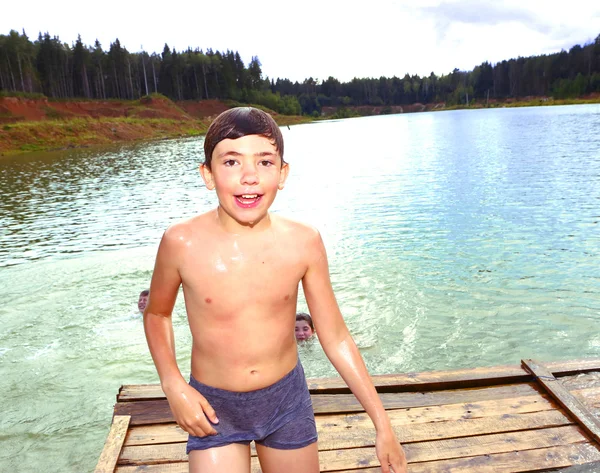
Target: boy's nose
(250, 175)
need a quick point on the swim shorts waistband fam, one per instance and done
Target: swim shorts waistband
(248, 395)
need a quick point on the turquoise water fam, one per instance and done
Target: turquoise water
(456, 239)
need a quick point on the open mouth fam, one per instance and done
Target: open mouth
(248, 200)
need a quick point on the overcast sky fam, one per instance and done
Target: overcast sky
(318, 39)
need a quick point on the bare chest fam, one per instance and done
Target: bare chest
(230, 276)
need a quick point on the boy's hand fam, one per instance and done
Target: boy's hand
(191, 410)
(390, 453)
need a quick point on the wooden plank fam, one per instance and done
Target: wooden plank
(593, 467)
(180, 467)
(423, 381)
(158, 412)
(339, 459)
(574, 407)
(354, 435)
(139, 392)
(335, 460)
(363, 435)
(328, 423)
(145, 412)
(113, 445)
(339, 403)
(511, 462)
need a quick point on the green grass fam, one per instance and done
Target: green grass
(25, 95)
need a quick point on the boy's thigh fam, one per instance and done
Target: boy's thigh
(299, 460)
(234, 458)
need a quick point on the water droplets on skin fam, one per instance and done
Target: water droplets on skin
(455, 239)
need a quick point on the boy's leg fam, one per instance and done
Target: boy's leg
(300, 460)
(234, 458)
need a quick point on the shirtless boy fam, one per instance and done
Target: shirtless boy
(240, 268)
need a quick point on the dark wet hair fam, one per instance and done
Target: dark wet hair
(304, 316)
(238, 122)
(145, 292)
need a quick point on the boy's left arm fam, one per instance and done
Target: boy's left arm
(344, 355)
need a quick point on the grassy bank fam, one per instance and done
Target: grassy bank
(82, 132)
(46, 135)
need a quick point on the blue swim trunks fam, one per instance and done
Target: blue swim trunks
(278, 416)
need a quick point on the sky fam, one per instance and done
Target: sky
(318, 39)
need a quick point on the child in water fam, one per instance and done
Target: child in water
(304, 327)
(240, 268)
(143, 300)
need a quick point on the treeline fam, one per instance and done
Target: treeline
(55, 69)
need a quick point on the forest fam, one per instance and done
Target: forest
(57, 70)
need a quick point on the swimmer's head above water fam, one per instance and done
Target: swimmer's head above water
(143, 300)
(304, 327)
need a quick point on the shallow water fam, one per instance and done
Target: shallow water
(455, 239)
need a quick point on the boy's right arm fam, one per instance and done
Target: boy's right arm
(189, 407)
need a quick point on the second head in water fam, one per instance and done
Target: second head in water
(304, 327)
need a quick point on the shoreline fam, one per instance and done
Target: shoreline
(60, 125)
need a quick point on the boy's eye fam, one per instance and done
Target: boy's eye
(229, 162)
(266, 162)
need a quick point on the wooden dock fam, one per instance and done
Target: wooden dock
(533, 417)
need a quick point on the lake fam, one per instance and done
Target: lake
(456, 239)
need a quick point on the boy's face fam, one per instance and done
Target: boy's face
(303, 330)
(142, 302)
(246, 174)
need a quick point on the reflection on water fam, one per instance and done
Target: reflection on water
(455, 239)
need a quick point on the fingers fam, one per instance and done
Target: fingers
(209, 411)
(385, 465)
(398, 465)
(201, 426)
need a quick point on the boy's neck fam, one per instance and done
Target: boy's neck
(230, 225)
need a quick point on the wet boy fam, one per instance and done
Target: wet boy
(143, 300)
(240, 268)
(304, 327)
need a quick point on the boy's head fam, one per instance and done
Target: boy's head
(238, 122)
(304, 326)
(143, 300)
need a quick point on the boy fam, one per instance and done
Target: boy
(143, 300)
(240, 268)
(304, 327)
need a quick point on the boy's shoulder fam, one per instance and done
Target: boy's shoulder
(184, 230)
(295, 230)
(285, 224)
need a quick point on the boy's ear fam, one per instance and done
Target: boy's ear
(283, 174)
(207, 177)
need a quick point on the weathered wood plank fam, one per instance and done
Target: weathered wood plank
(593, 467)
(113, 445)
(430, 380)
(341, 403)
(355, 435)
(158, 412)
(140, 392)
(511, 462)
(347, 458)
(574, 407)
(335, 460)
(329, 423)
(363, 435)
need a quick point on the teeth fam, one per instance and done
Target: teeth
(249, 196)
